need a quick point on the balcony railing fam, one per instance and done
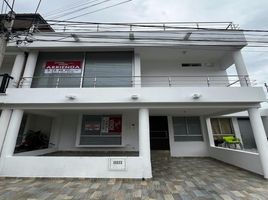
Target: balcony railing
(134, 81)
(159, 26)
(4, 80)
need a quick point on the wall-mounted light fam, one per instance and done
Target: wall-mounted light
(75, 37)
(134, 97)
(71, 97)
(196, 96)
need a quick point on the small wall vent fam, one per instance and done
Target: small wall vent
(117, 164)
(191, 65)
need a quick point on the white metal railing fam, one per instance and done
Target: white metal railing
(63, 26)
(133, 81)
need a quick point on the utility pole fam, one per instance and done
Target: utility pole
(6, 30)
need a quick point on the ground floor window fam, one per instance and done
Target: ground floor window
(34, 133)
(221, 127)
(100, 130)
(187, 129)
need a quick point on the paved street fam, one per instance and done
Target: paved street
(174, 178)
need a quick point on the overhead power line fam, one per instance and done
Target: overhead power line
(117, 4)
(66, 7)
(65, 14)
(7, 3)
(64, 11)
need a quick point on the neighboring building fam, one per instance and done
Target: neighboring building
(23, 22)
(101, 100)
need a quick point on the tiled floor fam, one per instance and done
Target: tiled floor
(174, 178)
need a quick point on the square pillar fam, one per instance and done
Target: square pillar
(137, 70)
(241, 69)
(144, 142)
(29, 69)
(4, 122)
(12, 133)
(260, 138)
(17, 69)
(210, 132)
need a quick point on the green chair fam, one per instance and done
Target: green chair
(231, 140)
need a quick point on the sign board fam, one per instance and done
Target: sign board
(63, 67)
(117, 164)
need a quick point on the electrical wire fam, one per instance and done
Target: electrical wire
(72, 9)
(117, 4)
(13, 4)
(7, 3)
(67, 7)
(80, 9)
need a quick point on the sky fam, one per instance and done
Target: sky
(247, 13)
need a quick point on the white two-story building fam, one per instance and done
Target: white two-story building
(101, 100)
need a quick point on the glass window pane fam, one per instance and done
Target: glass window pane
(43, 79)
(226, 126)
(91, 125)
(194, 126)
(111, 69)
(101, 130)
(215, 126)
(179, 125)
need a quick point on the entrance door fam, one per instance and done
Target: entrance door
(159, 136)
(246, 133)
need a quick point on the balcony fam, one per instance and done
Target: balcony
(134, 81)
(4, 81)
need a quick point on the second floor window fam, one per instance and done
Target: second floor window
(76, 69)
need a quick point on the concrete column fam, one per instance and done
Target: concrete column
(4, 122)
(137, 70)
(17, 69)
(260, 138)
(29, 69)
(241, 68)
(210, 132)
(144, 142)
(12, 133)
(237, 129)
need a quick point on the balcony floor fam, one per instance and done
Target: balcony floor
(174, 178)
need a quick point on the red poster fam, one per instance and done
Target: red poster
(63, 67)
(115, 125)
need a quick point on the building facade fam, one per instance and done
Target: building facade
(94, 104)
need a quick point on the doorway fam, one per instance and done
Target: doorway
(159, 135)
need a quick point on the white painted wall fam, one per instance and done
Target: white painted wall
(68, 132)
(187, 149)
(123, 95)
(122, 39)
(245, 160)
(173, 68)
(84, 167)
